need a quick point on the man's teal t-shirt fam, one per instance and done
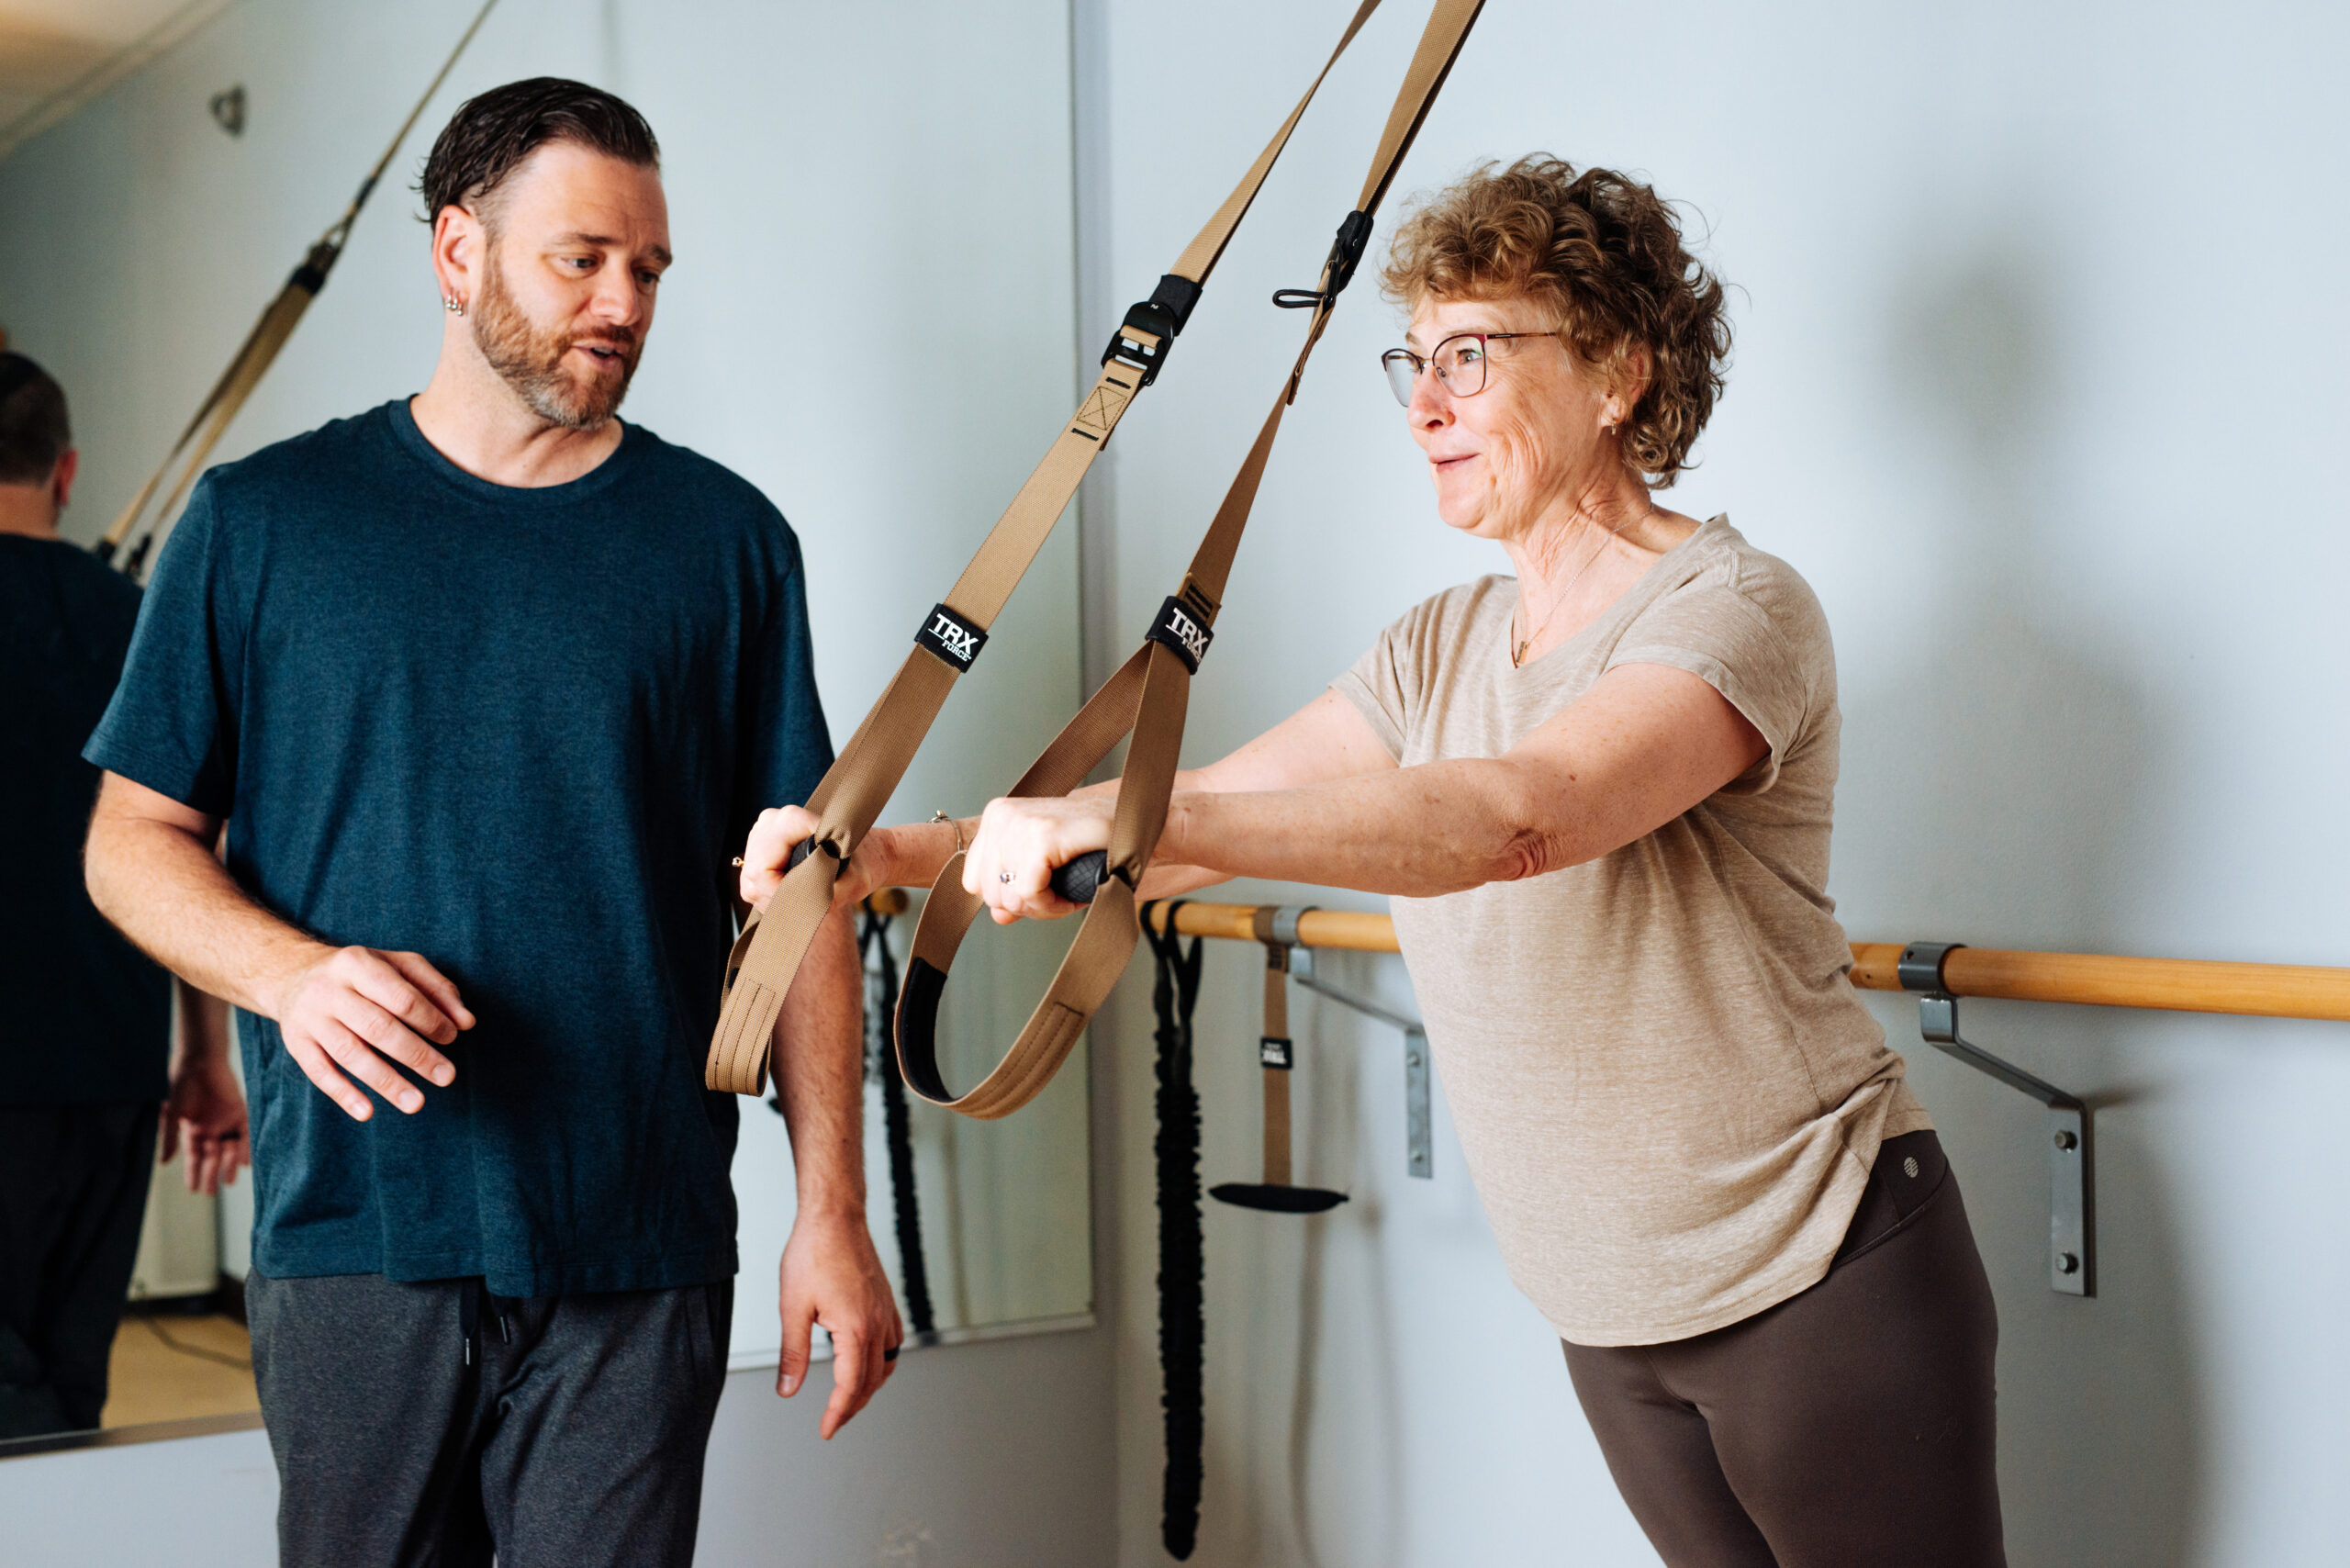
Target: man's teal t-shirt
(520, 732)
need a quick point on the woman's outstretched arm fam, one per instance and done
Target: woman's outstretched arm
(1644, 745)
(1325, 741)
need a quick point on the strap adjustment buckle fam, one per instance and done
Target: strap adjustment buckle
(1151, 327)
(1346, 255)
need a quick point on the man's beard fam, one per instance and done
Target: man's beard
(531, 360)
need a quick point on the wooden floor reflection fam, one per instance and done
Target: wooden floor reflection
(168, 1367)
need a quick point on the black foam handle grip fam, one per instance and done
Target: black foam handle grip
(1079, 879)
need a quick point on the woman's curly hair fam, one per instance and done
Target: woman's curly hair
(1606, 252)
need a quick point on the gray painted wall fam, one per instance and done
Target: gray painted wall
(2038, 380)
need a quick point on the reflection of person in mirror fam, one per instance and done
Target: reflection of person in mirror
(87, 1066)
(427, 663)
(1599, 792)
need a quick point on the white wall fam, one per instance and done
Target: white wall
(2039, 381)
(871, 317)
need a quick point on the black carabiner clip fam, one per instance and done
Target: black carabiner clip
(1346, 255)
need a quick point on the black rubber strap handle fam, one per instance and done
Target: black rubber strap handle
(1080, 878)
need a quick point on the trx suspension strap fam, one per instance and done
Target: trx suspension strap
(1182, 1258)
(227, 396)
(1276, 1056)
(1148, 697)
(767, 954)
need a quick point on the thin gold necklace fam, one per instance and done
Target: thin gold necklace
(1517, 649)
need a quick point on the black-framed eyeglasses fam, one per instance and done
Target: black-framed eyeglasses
(1459, 360)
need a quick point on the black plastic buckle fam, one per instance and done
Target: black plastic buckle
(1346, 255)
(1161, 316)
(311, 276)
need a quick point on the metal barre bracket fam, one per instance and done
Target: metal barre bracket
(2071, 1232)
(1418, 1138)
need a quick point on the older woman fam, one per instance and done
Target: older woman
(1599, 793)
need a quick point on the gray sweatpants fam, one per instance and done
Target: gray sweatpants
(432, 1424)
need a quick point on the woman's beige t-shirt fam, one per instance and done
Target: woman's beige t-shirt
(1669, 1096)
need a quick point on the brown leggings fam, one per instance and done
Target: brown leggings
(1850, 1427)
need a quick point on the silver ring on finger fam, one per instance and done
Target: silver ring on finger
(1004, 876)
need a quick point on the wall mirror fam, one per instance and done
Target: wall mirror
(899, 217)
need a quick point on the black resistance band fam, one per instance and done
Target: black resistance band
(881, 1062)
(1182, 1260)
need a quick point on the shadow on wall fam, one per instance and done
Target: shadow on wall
(1306, 1407)
(1992, 790)
(1334, 1117)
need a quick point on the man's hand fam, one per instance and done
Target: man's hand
(355, 1007)
(206, 1113)
(779, 831)
(153, 868)
(831, 1275)
(906, 856)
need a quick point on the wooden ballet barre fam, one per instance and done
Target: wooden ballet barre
(2099, 980)
(2176, 985)
(1352, 930)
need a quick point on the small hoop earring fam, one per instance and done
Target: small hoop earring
(454, 305)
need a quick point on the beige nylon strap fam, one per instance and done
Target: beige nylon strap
(867, 771)
(227, 398)
(1276, 1073)
(1107, 934)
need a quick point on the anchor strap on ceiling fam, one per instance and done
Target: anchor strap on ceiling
(187, 458)
(1146, 698)
(767, 954)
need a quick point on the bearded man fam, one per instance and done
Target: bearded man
(427, 663)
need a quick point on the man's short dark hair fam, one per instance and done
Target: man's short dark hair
(33, 429)
(488, 137)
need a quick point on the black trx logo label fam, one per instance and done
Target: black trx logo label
(1273, 1052)
(951, 637)
(1179, 629)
